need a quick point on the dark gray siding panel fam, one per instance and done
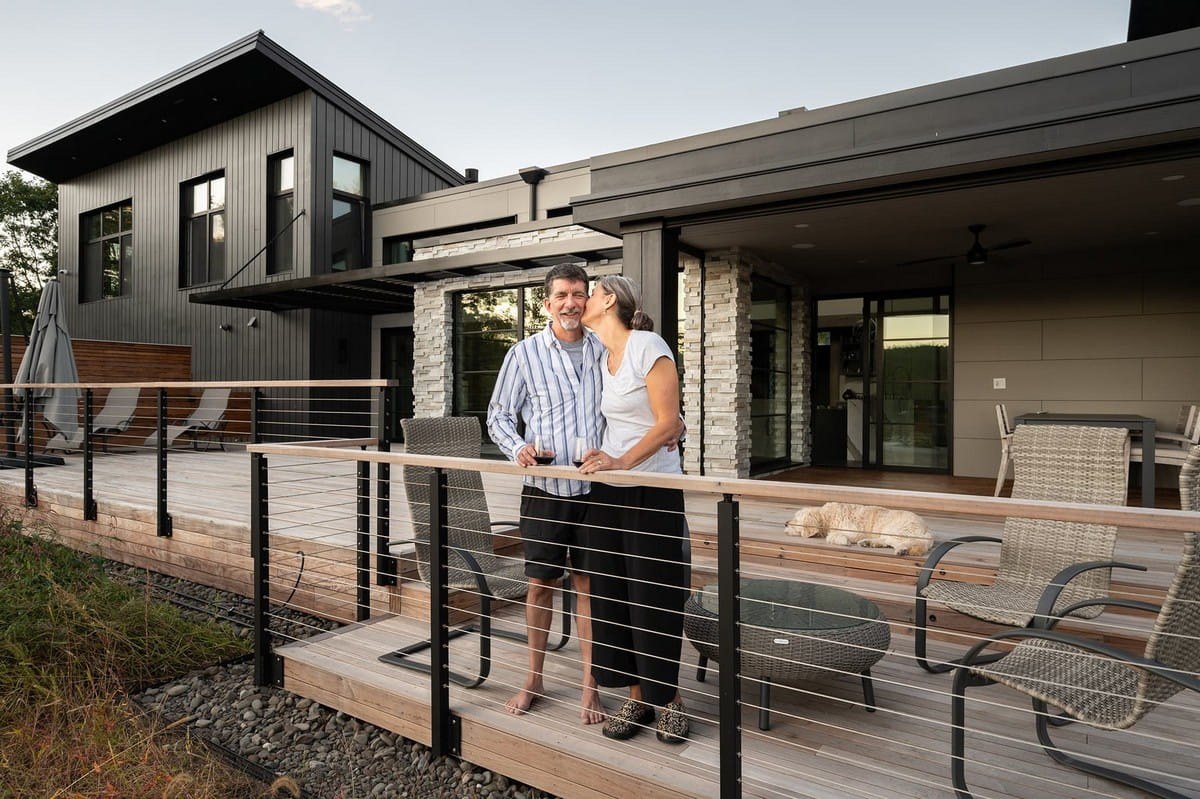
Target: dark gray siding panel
(157, 309)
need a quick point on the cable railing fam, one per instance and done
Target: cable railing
(174, 420)
(796, 656)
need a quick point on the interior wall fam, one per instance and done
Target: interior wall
(1105, 331)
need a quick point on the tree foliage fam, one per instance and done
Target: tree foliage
(28, 237)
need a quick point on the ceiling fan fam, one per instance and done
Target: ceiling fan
(977, 254)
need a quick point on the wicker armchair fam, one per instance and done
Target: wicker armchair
(473, 565)
(1050, 462)
(1189, 480)
(1094, 683)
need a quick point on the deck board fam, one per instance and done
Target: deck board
(822, 745)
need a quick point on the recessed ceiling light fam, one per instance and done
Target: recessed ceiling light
(1190, 201)
(804, 245)
(802, 225)
(1172, 178)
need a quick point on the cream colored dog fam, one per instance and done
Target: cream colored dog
(866, 525)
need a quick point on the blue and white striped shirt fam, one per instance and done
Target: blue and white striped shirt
(538, 383)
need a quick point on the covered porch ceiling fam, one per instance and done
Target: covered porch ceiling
(846, 243)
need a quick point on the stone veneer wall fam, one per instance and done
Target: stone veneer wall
(725, 361)
(522, 239)
(433, 331)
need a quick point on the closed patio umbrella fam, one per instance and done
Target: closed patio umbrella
(48, 359)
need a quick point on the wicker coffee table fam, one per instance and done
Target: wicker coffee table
(792, 632)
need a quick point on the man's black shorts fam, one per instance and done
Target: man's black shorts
(551, 532)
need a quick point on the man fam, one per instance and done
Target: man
(552, 380)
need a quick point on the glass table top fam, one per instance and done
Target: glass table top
(794, 605)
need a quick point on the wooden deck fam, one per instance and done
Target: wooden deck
(822, 744)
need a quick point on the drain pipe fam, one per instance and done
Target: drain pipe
(533, 176)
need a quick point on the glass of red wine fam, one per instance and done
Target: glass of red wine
(541, 450)
(579, 447)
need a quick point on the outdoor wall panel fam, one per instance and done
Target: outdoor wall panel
(1175, 291)
(1098, 379)
(1175, 379)
(1099, 296)
(998, 341)
(977, 418)
(1143, 336)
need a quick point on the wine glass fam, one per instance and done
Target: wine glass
(579, 447)
(542, 453)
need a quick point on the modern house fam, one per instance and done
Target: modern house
(858, 284)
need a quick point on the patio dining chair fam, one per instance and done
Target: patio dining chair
(1044, 564)
(1006, 432)
(1172, 448)
(1189, 480)
(474, 566)
(1091, 682)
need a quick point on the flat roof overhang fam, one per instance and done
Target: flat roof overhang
(389, 289)
(247, 74)
(1033, 119)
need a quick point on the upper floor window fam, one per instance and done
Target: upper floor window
(107, 251)
(348, 245)
(203, 234)
(281, 208)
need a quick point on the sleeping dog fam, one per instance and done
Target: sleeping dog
(866, 525)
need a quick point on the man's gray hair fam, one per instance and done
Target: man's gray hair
(572, 272)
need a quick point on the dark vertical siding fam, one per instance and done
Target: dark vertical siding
(157, 309)
(285, 345)
(391, 175)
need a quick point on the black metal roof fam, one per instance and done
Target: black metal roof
(247, 74)
(389, 289)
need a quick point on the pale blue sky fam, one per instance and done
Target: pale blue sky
(506, 84)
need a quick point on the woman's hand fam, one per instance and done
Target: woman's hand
(597, 460)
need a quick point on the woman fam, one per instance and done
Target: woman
(636, 533)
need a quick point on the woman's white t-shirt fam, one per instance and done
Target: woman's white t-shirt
(625, 402)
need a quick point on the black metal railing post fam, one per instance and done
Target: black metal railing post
(256, 396)
(385, 565)
(729, 645)
(363, 543)
(266, 666)
(164, 518)
(442, 723)
(89, 461)
(31, 499)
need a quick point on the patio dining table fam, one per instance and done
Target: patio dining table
(1129, 421)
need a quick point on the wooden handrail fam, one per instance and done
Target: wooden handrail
(373, 383)
(920, 501)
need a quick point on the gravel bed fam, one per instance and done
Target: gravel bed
(330, 754)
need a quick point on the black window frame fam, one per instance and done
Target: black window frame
(122, 236)
(360, 203)
(188, 223)
(281, 210)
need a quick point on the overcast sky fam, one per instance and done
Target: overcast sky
(512, 83)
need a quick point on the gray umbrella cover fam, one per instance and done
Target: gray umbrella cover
(48, 359)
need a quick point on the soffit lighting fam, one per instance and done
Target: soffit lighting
(804, 245)
(1173, 178)
(1189, 202)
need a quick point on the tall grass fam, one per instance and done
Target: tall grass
(73, 644)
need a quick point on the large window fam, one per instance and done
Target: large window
(348, 249)
(770, 373)
(281, 208)
(107, 252)
(203, 233)
(486, 325)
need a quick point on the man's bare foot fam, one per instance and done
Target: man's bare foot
(522, 700)
(592, 711)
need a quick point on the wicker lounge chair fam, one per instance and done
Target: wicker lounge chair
(1050, 462)
(1094, 683)
(473, 565)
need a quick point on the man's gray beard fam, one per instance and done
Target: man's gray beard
(569, 323)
